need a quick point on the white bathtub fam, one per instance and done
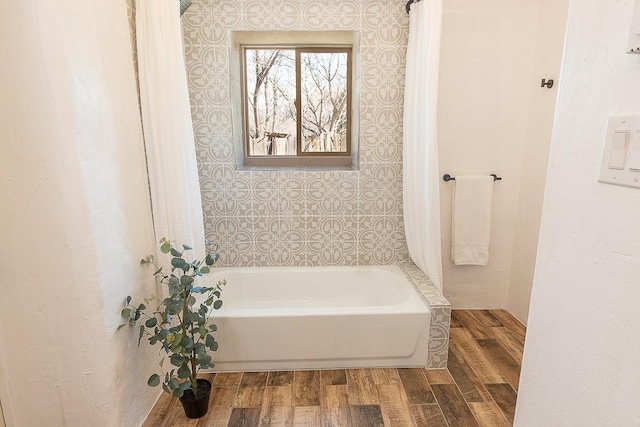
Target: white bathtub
(319, 318)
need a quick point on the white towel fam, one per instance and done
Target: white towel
(471, 220)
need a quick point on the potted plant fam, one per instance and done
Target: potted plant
(179, 325)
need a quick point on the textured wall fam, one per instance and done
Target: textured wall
(272, 218)
(580, 365)
(535, 154)
(73, 169)
(492, 116)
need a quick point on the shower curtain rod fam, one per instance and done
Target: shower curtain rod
(409, 3)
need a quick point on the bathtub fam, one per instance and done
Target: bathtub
(319, 318)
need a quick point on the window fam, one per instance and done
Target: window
(296, 103)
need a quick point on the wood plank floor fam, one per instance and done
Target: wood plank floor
(479, 388)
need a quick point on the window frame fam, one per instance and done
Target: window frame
(301, 159)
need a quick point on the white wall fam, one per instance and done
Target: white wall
(580, 363)
(547, 56)
(490, 99)
(75, 217)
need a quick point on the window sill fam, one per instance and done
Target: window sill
(301, 162)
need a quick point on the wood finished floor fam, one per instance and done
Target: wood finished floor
(479, 388)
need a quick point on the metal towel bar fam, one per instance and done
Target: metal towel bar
(448, 177)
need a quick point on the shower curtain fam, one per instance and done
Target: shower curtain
(420, 150)
(166, 120)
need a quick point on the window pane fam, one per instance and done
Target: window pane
(271, 93)
(324, 101)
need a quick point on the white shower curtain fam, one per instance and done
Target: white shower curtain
(420, 151)
(168, 130)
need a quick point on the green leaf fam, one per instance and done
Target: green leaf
(174, 290)
(213, 327)
(209, 260)
(173, 383)
(185, 385)
(204, 361)
(141, 334)
(217, 304)
(180, 263)
(126, 313)
(165, 248)
(177, 338)
(121, 326)
(187, 342)
(143, 261)
(203, 310)
(142, 307)
(205, 270)
(196, 319)
(177, 359)
(186, 247)
(200, 349)
(153, 380)
(202, 331)
(184, 371)
(209, 341)
(128, 300)
(150, 323)
(178, 393)
(186, 280)
(176, 253)
(158, 271)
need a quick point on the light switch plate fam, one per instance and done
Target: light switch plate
(620, 157)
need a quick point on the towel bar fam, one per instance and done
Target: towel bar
(448, 177)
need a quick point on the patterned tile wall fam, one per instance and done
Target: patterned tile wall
(131, 17)
(295, 218)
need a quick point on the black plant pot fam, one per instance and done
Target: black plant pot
(195, 406)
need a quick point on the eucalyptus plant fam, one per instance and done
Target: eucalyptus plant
(179, 323)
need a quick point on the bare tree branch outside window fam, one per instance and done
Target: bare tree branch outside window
(274, 80)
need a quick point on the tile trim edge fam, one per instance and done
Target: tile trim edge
(440, 314)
